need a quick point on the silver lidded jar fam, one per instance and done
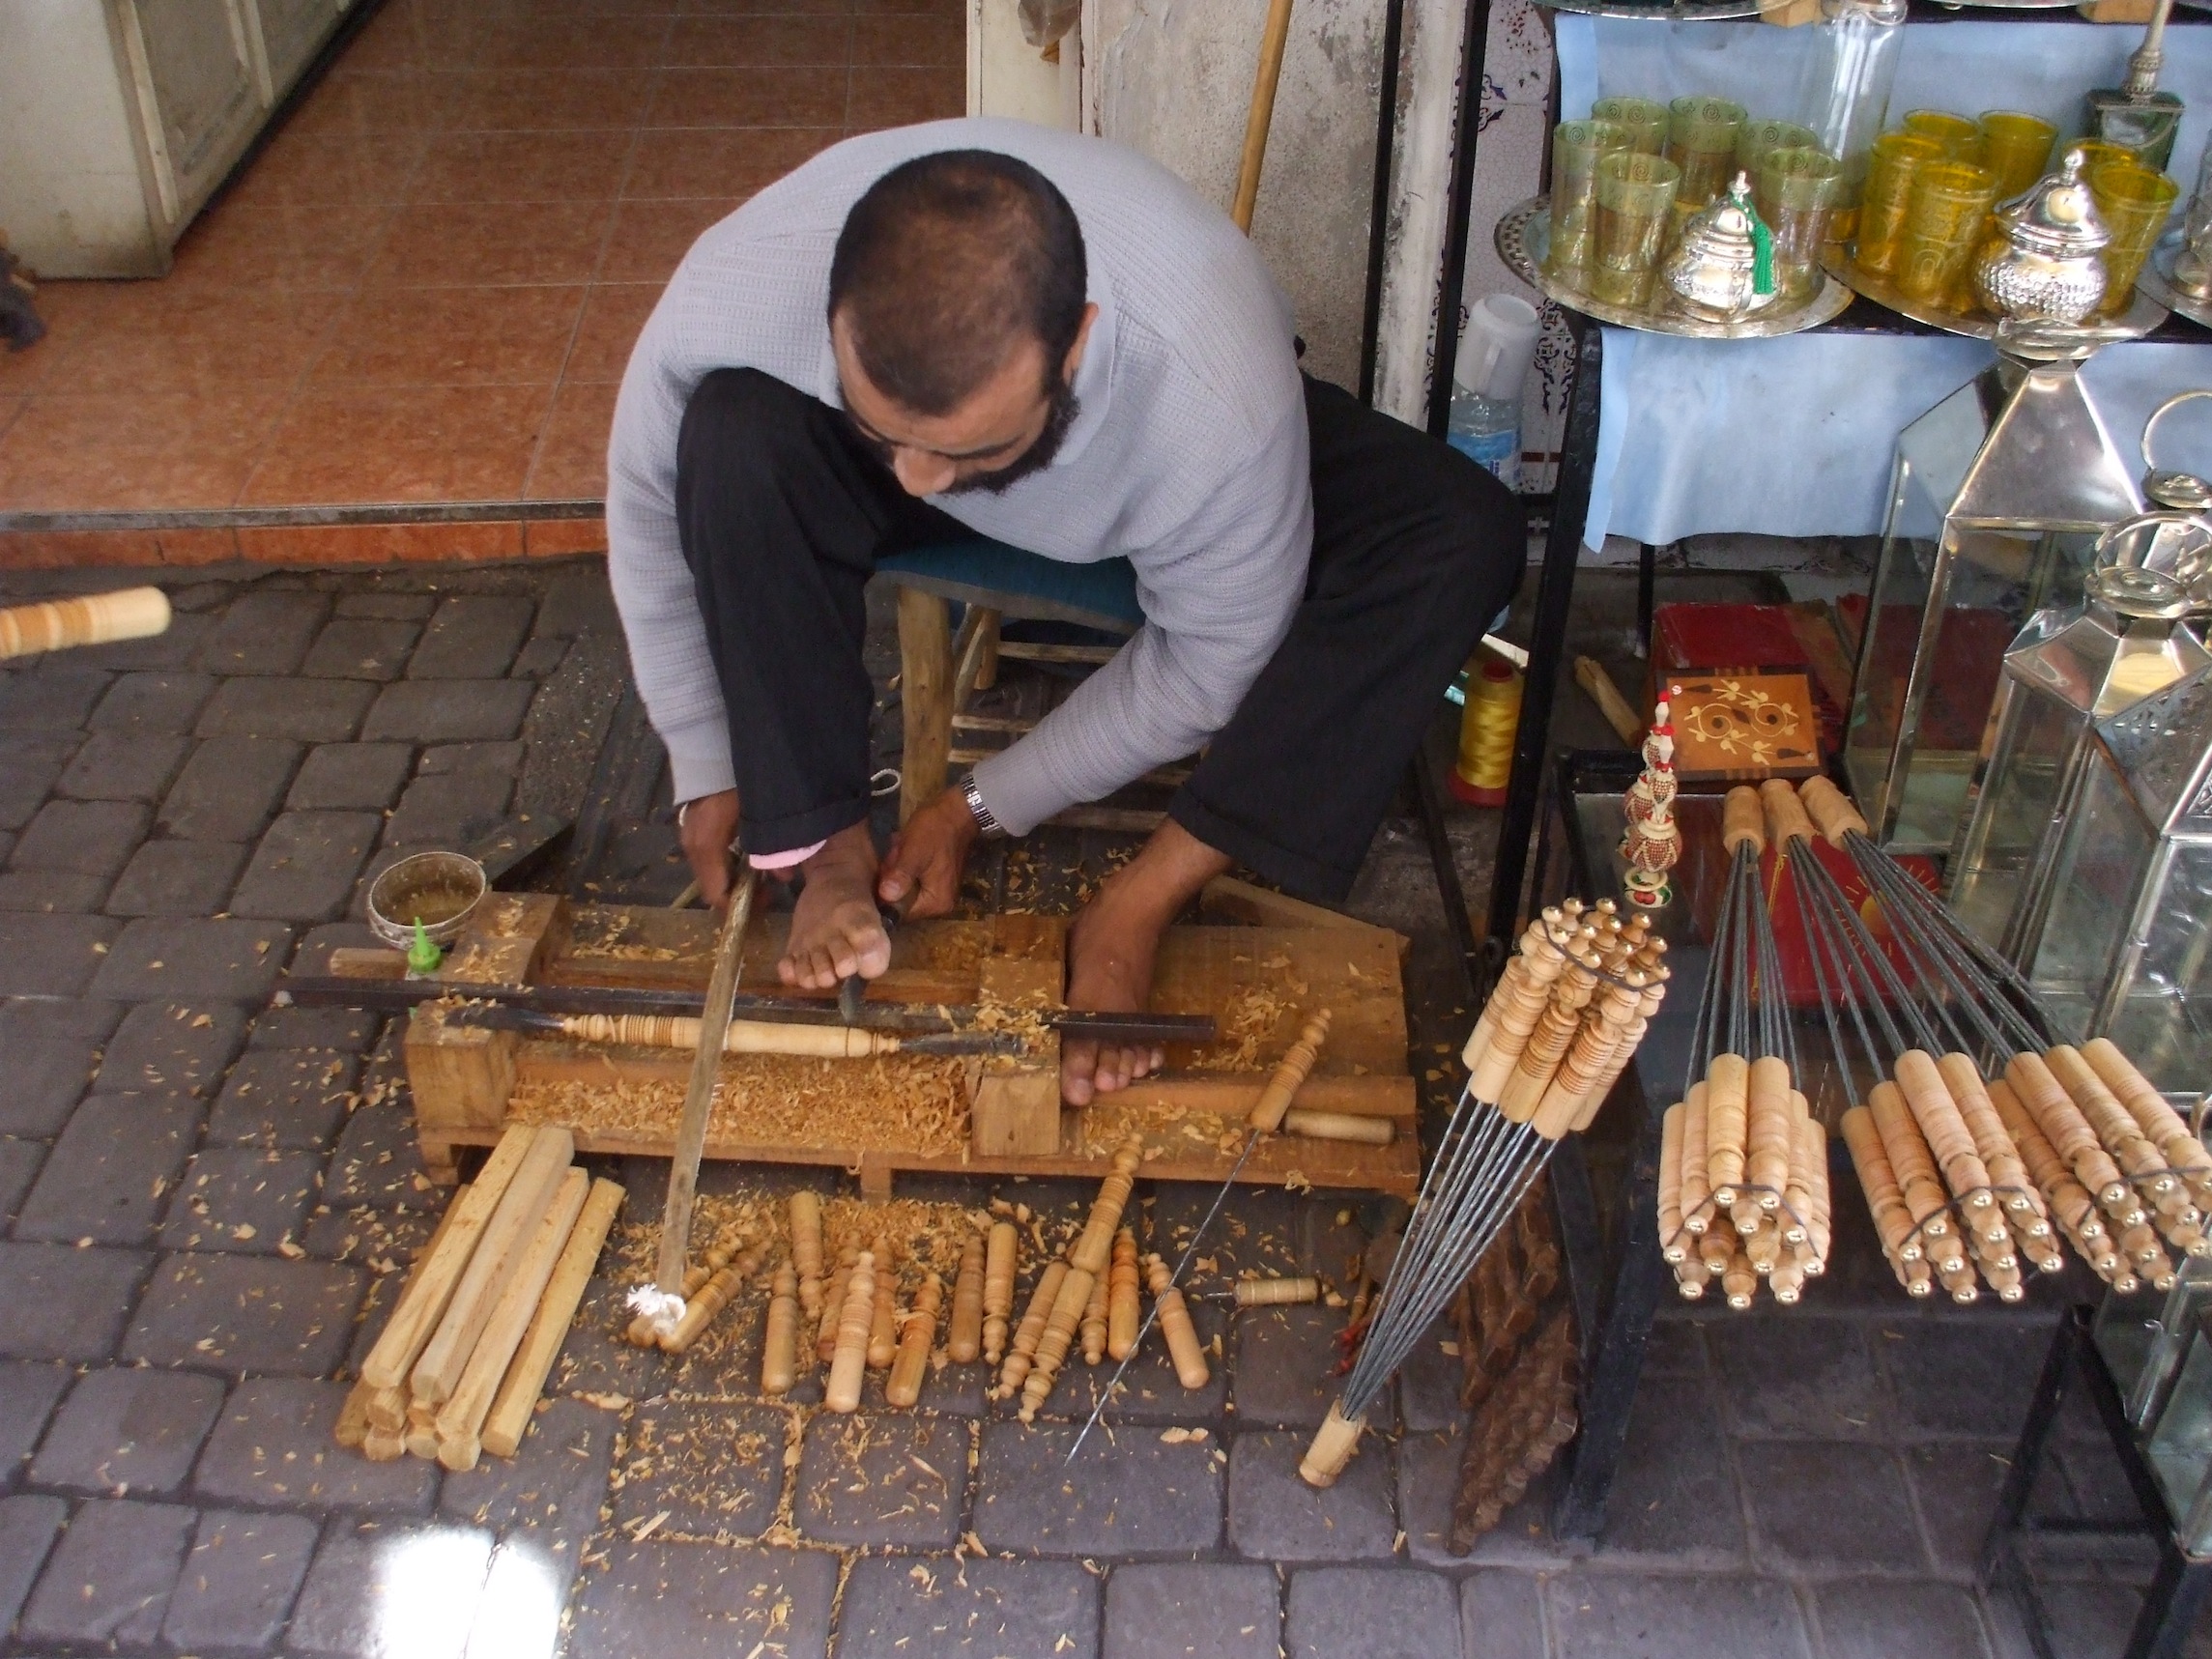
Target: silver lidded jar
(1713, 270)
(2043, 267)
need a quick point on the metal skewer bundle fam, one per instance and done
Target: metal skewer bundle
(1986, 1160)
(1743, 1167)
(1559, 1029)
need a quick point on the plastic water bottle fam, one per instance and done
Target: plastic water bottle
(1495, 351)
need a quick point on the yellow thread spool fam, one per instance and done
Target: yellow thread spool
(1486, 728)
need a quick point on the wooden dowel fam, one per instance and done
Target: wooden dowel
(1031, 1331)
(1094, 1329)
(353, 1418)
(1332, 1448)
(1273, 38)
(916, 1332)
(1831, 809)
(999, 1262)
(806, 1249)
(883, 1323)
(461, 1416)
(1671, 1244)
(417, 1315)
(420, 1436)
(1339, 1126)
(833, 1303)
(1767, 1131)
(848, 1355)
(1727, 1106)
(391, 1403)
(780, 1347)
(1697, 1186)
(94, 620)
(1174, 1319)
(964, 1341)
(517, 1399)
(1290, 1072)
(1277, 1291)
(387, 1408)
(1124, 1315)
(383, 1446)
(524, 1204)
(1094, 1249)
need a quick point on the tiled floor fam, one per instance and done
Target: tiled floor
(426, 288)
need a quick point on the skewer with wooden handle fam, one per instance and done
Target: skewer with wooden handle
(2161, 1125)
(698, 1099)
(779, 1346)
(965, 1339)
(999, 1262)
(916, 1332)
(517, 1400)
(94, 620)
(1671, 1234)
(849, 1357)
(461, 1418)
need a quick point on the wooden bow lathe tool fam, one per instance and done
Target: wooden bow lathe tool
(662, 1301)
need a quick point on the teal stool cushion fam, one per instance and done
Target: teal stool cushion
(1022, 584)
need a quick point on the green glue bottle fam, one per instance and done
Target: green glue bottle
(423, 957)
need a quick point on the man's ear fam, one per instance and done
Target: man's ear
(1075, 357)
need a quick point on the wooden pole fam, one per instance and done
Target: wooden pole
(1273, 39)
(549, 1326)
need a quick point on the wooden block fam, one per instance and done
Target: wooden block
(508, 940)
(1017, 1110)
(460, 1075)
(367, 962)
(517, 1399)
(430, 1290)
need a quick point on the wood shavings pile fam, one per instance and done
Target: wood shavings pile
(1170, 1132)
(598, 933)
(898, 1102)
(1246, 1026)
(957, 949)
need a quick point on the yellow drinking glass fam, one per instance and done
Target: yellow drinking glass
(2016, 148)
(1635, 195)
(1575, 149)
(1701, 141)
(1645, 118)
(1896, 156)
(1961, 138)
(2135, 204)
(1943, 227)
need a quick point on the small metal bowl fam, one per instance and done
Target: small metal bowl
(442, 888)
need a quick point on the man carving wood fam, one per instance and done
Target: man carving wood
(984, 328)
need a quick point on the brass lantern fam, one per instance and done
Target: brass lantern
(2067, 671)
(1998, 496)
(2126, 946)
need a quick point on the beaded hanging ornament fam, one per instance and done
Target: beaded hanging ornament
(1653, 842)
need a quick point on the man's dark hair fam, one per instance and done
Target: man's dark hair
(946, 264)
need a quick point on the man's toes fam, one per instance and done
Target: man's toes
(1078, 1062)
(790, 971)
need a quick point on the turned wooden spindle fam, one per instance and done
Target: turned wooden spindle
(1277, 1291)
(1884, 1198)
(883, 1323)
(1655, 978)
(94, 619)
(1767, 1131)
(1604, 1031)
(740, 1037)
(1290, 1072)
(1831, 809)
(1031, 1331)
(1332, 1448)
(1184, 1349)
(2070, 1204)
(1094, 1249)
(916, 1331)
(1548, 1042)
(1518, 1009)
(964, 1341)
(1125, 1315)
(999, 1262)
(806, 1250)
(1094, 1328)
(2066, 1128)
(1060, 1327)
(833, 1303)
(848, 1355)
(1727, 1111)
(1909, 1158)
(1740, 1281)
(1691, 1277)
(644, 1331)
(2115, 1125)
(1671, 1234)
(700, 1309)
(780, 1347)
(1716, 1247)
(1338, 1125)
(1999, 1154)
(2163, 1125)
(1697, 1180)
(1929, 1097)
(1537, 961)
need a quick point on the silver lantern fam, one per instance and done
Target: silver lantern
(2067, 671)
(2124, 949)
(1998, 496)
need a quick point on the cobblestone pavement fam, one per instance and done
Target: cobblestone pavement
(205, 1201)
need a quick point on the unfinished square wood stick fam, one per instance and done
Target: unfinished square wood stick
(549, 1326)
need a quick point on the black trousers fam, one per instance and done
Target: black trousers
(783, 512)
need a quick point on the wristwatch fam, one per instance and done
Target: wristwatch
(991, 828)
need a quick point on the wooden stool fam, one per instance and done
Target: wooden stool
(938, 673)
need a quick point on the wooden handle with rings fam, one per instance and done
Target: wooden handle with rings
(849, 1358)
(1184, 1348)
(739, 1036)
(806, 1249)
(1786, 817)
(95, 620)
(1290, 1073)
(1742, 822)
(999, 1262)
(1831, 809)
(964, 1341)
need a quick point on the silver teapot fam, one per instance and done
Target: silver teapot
(1713, 270)
(2043, 265)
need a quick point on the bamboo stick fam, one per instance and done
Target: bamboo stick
(461, 1416)
(965, 1341)
(999, 1262)
(445, 1355)
(849, 1357)
(549, 1326)
(916, 1332)
(780, 1347)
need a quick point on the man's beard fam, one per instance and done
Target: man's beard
(1066, 405)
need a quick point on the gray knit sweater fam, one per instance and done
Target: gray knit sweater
(1189, 455)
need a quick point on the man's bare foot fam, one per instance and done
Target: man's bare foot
(1111, 949)
(836, 932)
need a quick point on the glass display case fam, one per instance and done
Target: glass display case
(1998, 496)
(2124, 948)
(2178, 1445)
(2067, 671)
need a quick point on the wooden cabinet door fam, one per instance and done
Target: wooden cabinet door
(291, 32)
(196, 90)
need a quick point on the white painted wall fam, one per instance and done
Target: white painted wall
(71, 196)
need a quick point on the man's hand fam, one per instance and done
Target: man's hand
(710, 826)
(928, 855)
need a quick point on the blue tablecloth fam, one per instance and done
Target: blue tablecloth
(1793, 437)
